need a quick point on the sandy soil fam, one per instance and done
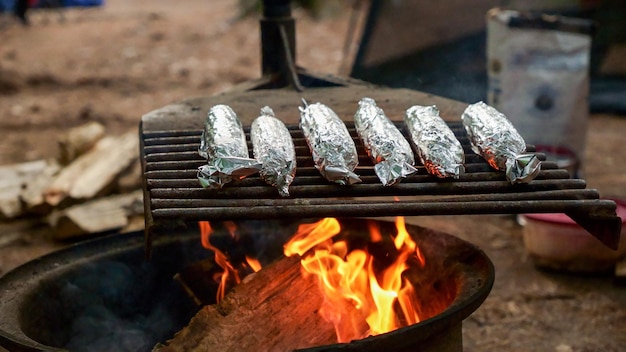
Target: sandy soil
(115, 63)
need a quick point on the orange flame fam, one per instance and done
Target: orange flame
(359, 300)
(229, 272)
(310, 235)
(254, 264)
(375, 235)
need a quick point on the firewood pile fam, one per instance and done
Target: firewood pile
(91, 187)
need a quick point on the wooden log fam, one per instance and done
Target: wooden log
(136, 222)
(96, 216)
(274, 309)
(13, 178)
(130, 178)
(32, 194)
(93, 173)
(78, 140)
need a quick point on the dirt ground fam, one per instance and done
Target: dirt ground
(113, 64)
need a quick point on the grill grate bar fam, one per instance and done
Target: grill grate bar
(549, 170)
(369, 190)
(189, 180)
(184, 162)
(570, 194)
(363, 209)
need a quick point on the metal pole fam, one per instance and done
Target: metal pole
(278, 43)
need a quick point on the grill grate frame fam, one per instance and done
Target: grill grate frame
(172, 192)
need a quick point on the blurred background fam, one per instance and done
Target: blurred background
(111, 62)
(442, 48)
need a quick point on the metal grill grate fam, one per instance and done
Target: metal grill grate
(170, 162)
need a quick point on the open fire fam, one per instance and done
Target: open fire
(230, 275)
(277, 308)
(361, 278)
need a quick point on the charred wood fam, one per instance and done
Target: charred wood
(275, 308)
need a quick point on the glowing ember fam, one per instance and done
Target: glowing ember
(229, 273)
(360, 298)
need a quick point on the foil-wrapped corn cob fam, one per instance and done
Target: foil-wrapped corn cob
(223, 143)
(495, 138)
(273, 147)
(440, 152)
(389, 150)
(334, 152)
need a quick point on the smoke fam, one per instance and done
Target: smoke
(117, 303)
(112, 312)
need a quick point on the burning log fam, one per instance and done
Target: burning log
(255, 314)
(354, 287)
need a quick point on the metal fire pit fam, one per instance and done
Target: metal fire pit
(102, 295)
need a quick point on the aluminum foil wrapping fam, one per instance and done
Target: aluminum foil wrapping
(223, 144)
(273, 147)
(440, 152)
(334, 152)
(389, 150)
(495, 138)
